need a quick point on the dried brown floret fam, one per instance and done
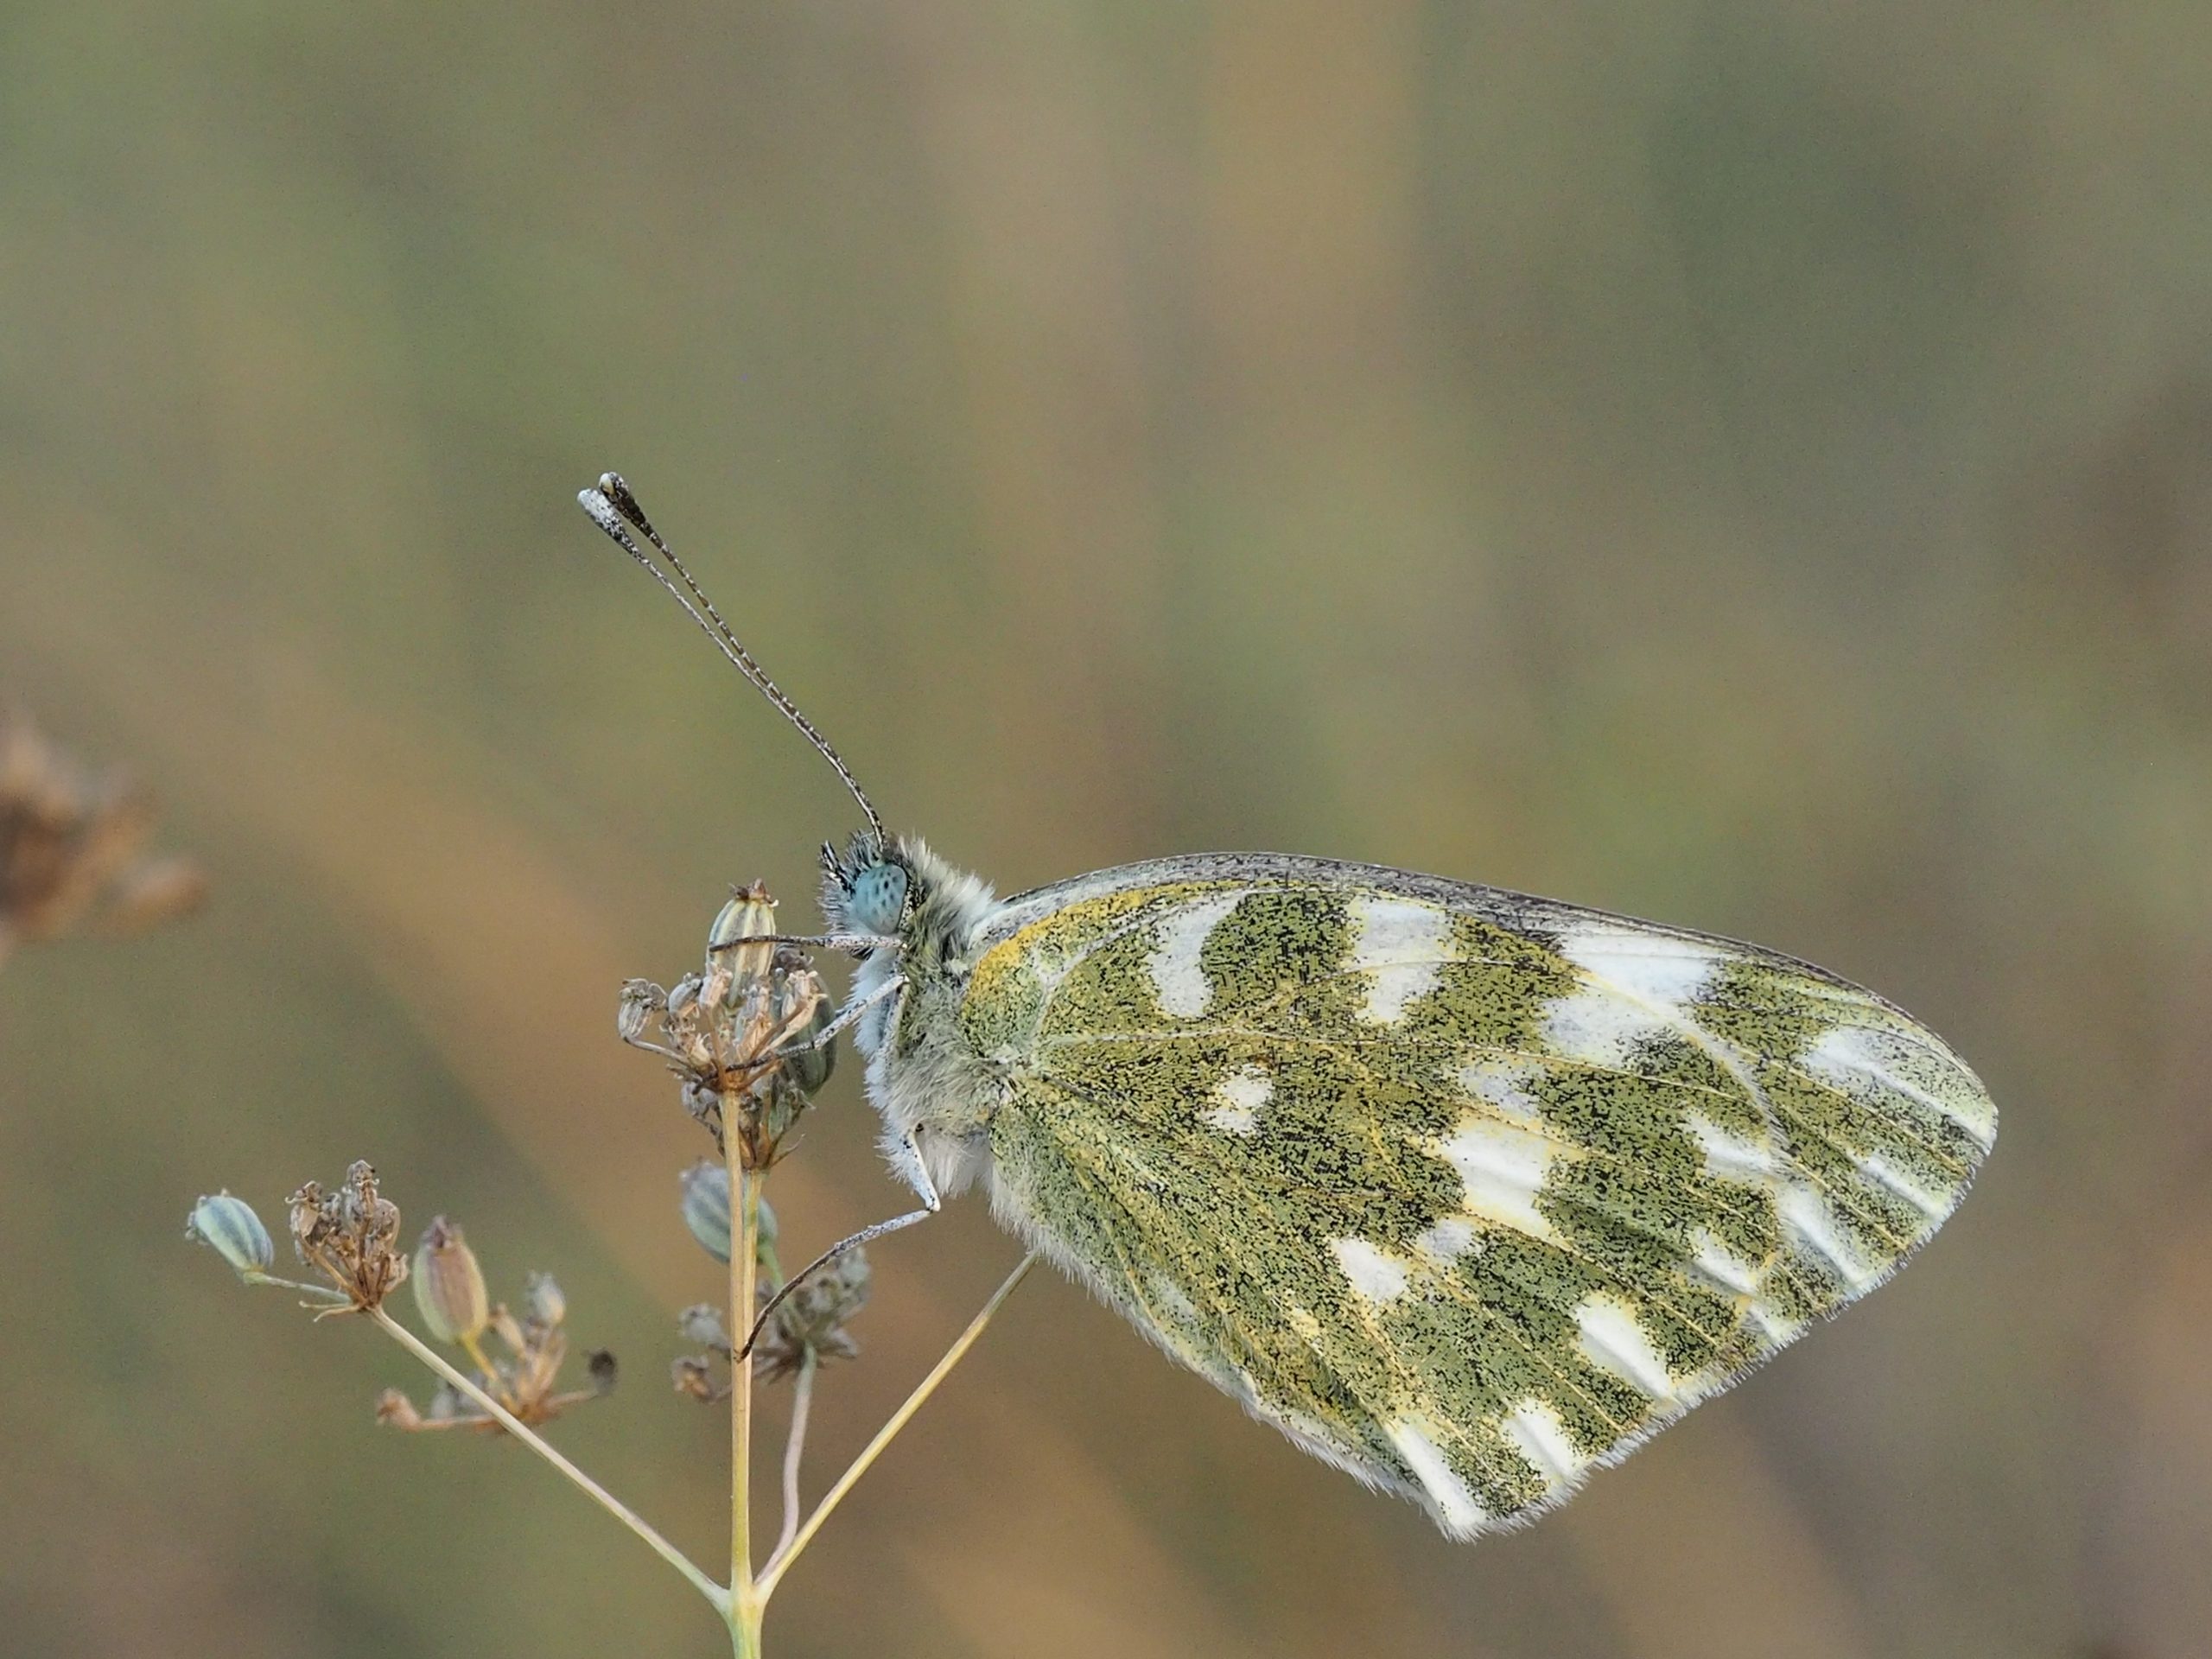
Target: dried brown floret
(351, 1235)
(740, 1034)
(72, 846)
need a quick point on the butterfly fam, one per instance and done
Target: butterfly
(1465, 1191)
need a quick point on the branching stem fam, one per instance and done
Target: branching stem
(889, 1431)
(718, 1597)
(794, 1449)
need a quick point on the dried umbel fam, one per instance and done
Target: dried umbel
(72, 847)
(813, 1318)
(526, 1378)
(809, 1322)
(351, 1235)
(742, 1034)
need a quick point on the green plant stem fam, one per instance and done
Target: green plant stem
(716, 1595)
(781, 1564)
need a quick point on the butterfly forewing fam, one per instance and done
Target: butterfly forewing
(1464, 1190)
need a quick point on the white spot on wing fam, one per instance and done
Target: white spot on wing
(1503, 1081)
(1856, 1060)
(1881, 1171)
(1177, 979)
(1536, 1430)
(1447, 1240)
(1374, 1274)
(1731, 1157)
(1807, 1223)
(1713, 1260)
(1779, 1331)
(1169, 1295)
(1613, 1341)
(1455, 1505)
(1595, 1026)
(1238, 1098)
(1660, 972)
(1642, 985)
(1399, 945)
(1503, 1166)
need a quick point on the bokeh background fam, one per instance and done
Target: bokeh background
(1749, 464)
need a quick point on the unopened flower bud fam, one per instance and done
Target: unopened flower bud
(542, 1300)
(229, 1227)
(449, 1285)
(749, 914)
(706, 1207)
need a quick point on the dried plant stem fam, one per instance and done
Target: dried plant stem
(323, 1291)
(475, 1351)
(794, 1449)
(746, 1602)
(776, 1568)
(676, 1558)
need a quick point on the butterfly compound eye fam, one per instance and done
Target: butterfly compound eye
(879, 899)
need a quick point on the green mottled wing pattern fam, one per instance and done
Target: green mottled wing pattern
(1467, 1192)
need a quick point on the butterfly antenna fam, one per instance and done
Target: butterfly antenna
(610, 506)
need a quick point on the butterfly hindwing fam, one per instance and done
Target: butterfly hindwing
(1464, 1190)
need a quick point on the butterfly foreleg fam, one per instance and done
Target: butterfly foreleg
(931, 1203)
(816, 941)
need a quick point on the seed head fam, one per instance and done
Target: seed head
(351, 1235)
(749, 913)
(739, 1035)
(449, 1285)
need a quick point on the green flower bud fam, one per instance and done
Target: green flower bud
(449, 1285)
(706, 1207)
(229, 1227)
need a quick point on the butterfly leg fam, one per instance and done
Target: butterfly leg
(931, 1203)
(818, 941)
(846, 1015)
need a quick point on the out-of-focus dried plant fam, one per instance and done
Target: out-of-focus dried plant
(72, 847)
(450, 1292)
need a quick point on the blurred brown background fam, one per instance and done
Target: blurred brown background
(1744, 464)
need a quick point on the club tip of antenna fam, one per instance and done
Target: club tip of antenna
(595, 503)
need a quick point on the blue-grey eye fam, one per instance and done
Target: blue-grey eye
(879, 899)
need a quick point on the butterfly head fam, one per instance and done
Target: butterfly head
(868, 887)
(893, 886)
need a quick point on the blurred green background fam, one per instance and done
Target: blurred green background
(1747, 465)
